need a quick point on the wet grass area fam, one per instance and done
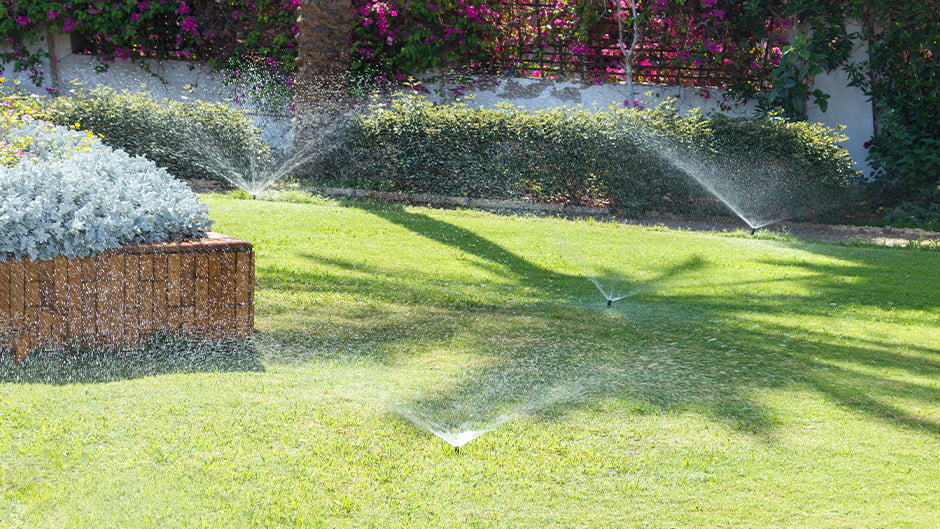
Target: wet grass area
(733, 381)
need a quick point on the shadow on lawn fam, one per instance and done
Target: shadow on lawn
(656, 353)
(463, 239)
(159, 355)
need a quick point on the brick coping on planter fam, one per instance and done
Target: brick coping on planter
(117, 297)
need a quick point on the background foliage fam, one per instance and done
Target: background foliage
(769, 51)
(620, 157)
(186, 138)
(708, 43)
(16, 109)
(226, 34)
(902, 76)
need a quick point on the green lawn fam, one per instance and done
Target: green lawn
(745, 382)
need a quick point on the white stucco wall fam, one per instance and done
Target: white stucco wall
(176, 80)
(847, 106)
(538, 94)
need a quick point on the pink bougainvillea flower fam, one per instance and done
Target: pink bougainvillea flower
(70, 24)
(23, 21)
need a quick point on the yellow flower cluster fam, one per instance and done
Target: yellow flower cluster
(16, 109)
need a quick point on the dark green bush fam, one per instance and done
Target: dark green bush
(902, 77)
(923, 213)
(192, 140)
(794, 165)
(627, 158)
(906, 164)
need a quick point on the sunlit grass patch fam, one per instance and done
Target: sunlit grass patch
(748, 382)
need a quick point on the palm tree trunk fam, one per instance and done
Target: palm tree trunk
(321, 82)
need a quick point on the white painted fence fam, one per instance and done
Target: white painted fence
(848, 106)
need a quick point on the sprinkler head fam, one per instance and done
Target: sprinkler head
(456, 449)
(753, 231)
(610, 302)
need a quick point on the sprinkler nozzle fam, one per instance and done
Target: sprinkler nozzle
(610, 302)
(456, 449)
(753, 231)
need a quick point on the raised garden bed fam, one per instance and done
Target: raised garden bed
(115, 298)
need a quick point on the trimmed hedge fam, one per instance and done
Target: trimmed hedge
(628, 158)
(192, 140)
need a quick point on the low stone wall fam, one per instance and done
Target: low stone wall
(200, 288)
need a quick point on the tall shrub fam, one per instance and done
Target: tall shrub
(192, 140)
(902, 76)
(624, 156)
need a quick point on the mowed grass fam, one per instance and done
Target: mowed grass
(745, 382)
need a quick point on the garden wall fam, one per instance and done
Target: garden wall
(201, 288)
(848, 105)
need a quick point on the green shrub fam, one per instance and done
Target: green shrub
(905, 163)
(795, 166)
(192, 140)
(924, 213)
(902, 77)
(625, 157)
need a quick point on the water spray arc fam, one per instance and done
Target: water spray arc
(608, 291)
(483, 400)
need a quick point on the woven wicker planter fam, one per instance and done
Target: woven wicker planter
(201, 288)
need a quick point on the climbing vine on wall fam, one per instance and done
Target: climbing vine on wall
(226, 34)
(765, 50)
(703, 43)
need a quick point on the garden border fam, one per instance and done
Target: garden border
(887, 235)
(201, 287)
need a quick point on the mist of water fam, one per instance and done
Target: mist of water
(756, 186)
(483, 400)
(253, 172)
(755, 192)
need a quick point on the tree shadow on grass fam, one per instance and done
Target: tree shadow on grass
(615, 285)
(158, 355)
(656, 353)
(714, 365)
(471, 243)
